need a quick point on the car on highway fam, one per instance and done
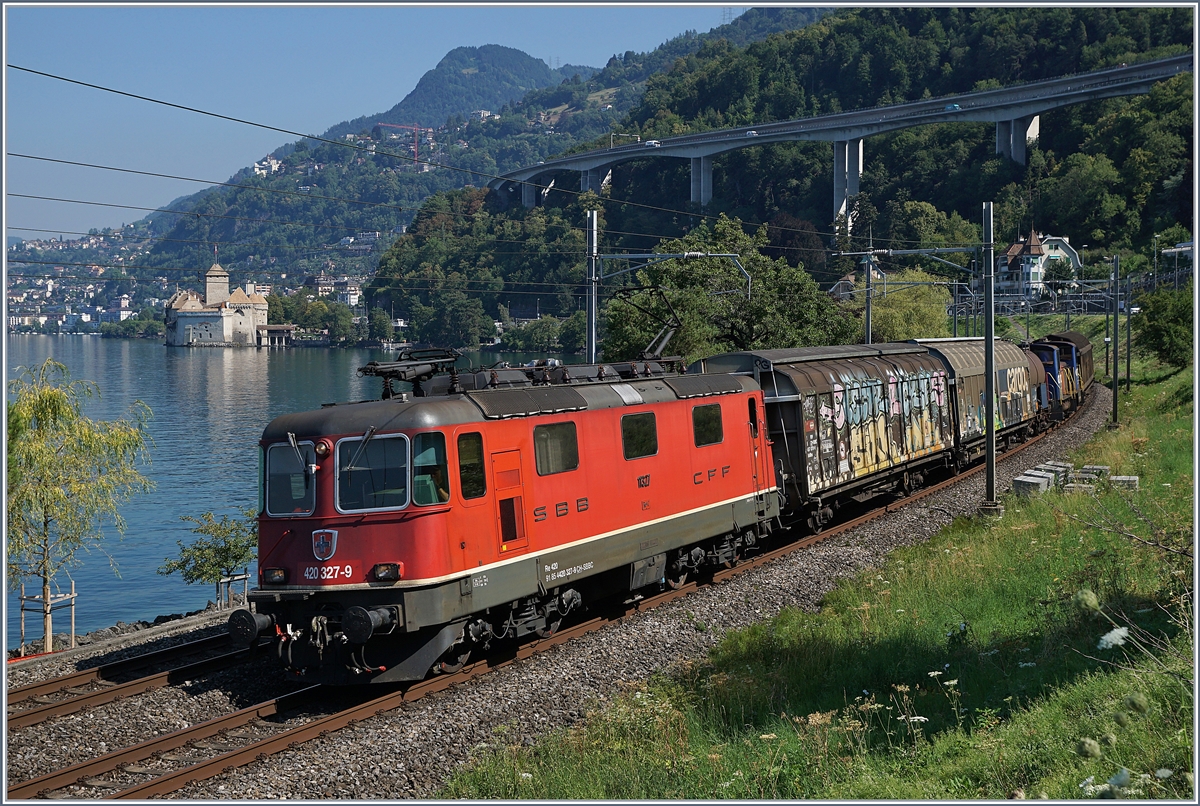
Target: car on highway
(752, 133)
(953, 108)
(653, 143)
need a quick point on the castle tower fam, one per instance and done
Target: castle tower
(216, 285)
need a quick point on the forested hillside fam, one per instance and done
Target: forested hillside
(1109, 174)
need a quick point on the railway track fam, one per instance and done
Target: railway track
(165, 764)
(37, 702)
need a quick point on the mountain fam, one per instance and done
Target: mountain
(267, 227)
(466, 79)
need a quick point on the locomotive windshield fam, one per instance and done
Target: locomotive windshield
(291, 490)
(372, 472)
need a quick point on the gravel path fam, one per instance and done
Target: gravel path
(411, 751)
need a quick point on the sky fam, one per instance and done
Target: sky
(302, 68)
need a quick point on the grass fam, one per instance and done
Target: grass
(961, 668)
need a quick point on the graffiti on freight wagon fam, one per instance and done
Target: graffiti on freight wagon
(866, 424)
(1014, 401)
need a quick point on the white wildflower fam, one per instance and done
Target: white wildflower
(953, 682)
(1087, 781)
(1163, 773)
(899, 611)
(1120, 779)
(935, 674)
(1114, 638)
(526, 776)
(918, 719)
(1024, 665)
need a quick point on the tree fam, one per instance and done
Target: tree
(785, 308)
(572, 335)
(543, 334)
(458, 321)
(67, 475)
(908, 311)
(224, 547)
(1165, 325)
(381, 325)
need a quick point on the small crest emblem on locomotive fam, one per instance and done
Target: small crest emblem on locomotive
(324, 543)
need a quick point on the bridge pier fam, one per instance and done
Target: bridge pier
(594, 179)
(529, 193)
(847, 170)
(1013, 136)
(701, 180)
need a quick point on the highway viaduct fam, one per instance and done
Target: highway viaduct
(1014, 110)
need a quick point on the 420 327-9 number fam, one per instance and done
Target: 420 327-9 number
(325, 572)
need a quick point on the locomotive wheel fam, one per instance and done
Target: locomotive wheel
(815, 526)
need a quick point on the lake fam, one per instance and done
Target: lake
(210, 406)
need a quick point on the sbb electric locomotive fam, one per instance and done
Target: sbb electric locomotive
(399, 536)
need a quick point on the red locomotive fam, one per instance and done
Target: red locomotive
(399, 536)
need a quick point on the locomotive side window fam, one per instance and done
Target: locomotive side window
(429, 469)
(373, 475)
(706, 425)
(555, 448)
(472, 481)
(753, 418)
(639, 435)
(290, 488)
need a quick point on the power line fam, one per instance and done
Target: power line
(376, 152)
(184, 212)
(316, 249)
(356, 147)
(112, 265)
(211, 182)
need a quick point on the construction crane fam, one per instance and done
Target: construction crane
(416, 130)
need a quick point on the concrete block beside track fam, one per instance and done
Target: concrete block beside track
(1125, 482)
(1027, 485)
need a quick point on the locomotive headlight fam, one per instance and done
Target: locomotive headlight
(274, 576)
(388, 572)
(322, 448)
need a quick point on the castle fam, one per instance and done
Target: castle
(222, 319)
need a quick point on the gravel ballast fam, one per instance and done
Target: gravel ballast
(413, 750)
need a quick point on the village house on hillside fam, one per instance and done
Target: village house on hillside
(1022, 268)
(221, 319)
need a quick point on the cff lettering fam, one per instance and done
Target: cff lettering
(699, 476)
